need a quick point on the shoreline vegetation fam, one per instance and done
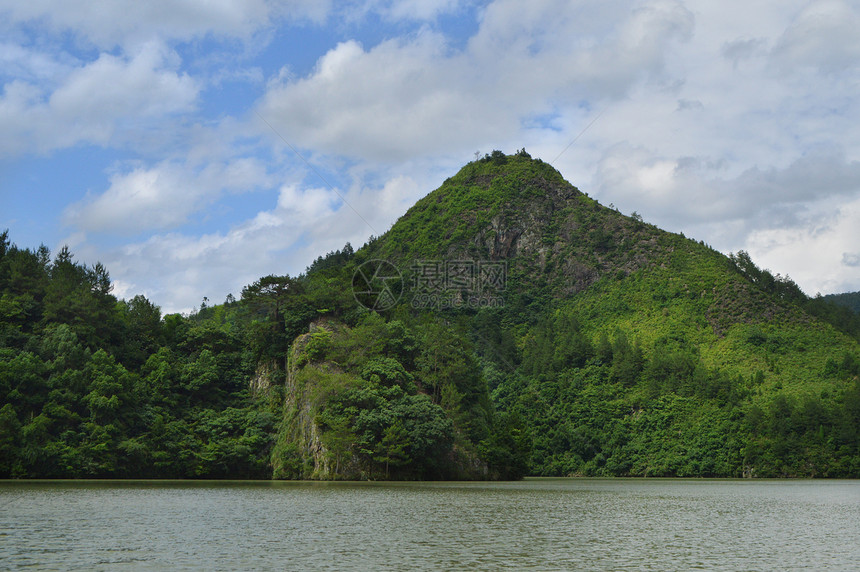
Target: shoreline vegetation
(611, 349)
(167, 482)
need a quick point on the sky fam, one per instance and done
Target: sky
(193, 146)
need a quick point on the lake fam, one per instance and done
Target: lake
(545, 524)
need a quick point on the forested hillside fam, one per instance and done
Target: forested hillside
(507, 324)
(93, 386)
(850, 300)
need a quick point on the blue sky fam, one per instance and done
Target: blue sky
(158, 137)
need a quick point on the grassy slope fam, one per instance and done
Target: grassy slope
(735, 328)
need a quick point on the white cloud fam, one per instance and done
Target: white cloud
(406, 97)
(386, 104)
(556, 49)
(99, 102)
(28, 64)
(823, 36)
(419, 9)
(814, 249)
(128, 22)
(112, 88)
(177, 270)
(163, 196)
(696, 191)
(398, 10)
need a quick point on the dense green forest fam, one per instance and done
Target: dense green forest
(849, 300)
(96, 387)
(527, 330)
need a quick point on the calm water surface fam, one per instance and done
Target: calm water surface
(546, 524)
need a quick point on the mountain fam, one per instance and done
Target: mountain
(566, 253)
(628, 350)
(507, 324)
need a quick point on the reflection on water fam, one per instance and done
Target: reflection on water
(547, 524)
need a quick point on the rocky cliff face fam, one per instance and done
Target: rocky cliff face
(263, 377)
(300, 452)
(356, 406)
